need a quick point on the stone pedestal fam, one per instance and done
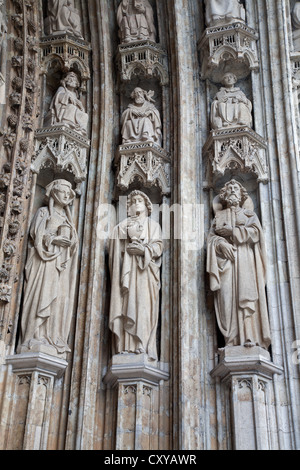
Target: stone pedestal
(33, 391)
(146, 162)
(236, 148)
(248, 373)
(61, 149)
(137, 380)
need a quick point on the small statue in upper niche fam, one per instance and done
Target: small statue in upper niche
(63, 17)
(141, 120)
(236, 263)
(223, 11)
(66, 108)
(135, 20)
(230, 107)
(134, 260)
(50, 273)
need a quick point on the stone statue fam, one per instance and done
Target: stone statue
(236, 263)
(141, 120)
(63, 17)
(296, 24)
(134, 260)
(223, 12)
(50, 274)
(66, 108)
(230, 107)
(3, 27)
(135, 20)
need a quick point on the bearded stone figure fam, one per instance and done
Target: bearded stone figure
(141, 120)
(135, 259)
(135, 20)
(223, 11)
(63, 17)
(50, 274)
(236, 263)
(66, 108)
(230, 107)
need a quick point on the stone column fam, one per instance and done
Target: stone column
(32, 396)
(248, 374)
(137, 381)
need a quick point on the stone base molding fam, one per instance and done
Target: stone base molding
(33, 392)
(137, 381)
(248, 375)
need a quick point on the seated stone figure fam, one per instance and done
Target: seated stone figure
(230, 107)
(223, 12)
(135, 20)
(66, 108)
(63, 17)
(141, 120)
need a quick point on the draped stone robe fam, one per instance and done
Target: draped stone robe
(67, 109)
(218, 11)
(63, 18)
(135, 284)
(239, 286)
(133, 23)
(231, 107)
(141, 123)
(50, 276)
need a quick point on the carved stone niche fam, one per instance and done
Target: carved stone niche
(72, 53)
(146, 162)
(144, 58)
(61, 149)
(240, 149)
(234, 44)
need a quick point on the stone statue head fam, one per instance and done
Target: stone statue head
(229, 79)
(140, 96)
(131, 202)
(233, 193)
(71, 79)
(60, 191)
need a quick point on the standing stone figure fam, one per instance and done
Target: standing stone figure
(66, 108)
(223, 11)
(236, 263)
(135, 259)
(63, 17)
(141, 120)
(135, 20)
(230, 107)
(50, 273)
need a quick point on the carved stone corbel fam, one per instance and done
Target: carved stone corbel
(143, 58)
(235, 44)
(72, 54)
(61, 149)
(146, 162)
(239, 149)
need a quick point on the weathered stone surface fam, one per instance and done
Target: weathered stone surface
(196, 395)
